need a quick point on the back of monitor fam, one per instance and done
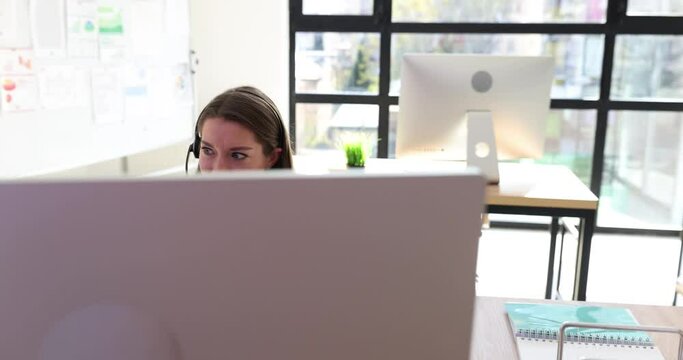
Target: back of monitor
(248, 267)
(439, 90)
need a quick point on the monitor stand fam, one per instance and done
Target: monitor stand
(481, 144)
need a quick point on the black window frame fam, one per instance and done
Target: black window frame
(617, 22)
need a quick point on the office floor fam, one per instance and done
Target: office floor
(623, 268)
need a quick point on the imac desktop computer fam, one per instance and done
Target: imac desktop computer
(478, 108)
(269, 265)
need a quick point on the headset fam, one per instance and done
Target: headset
(195, 147)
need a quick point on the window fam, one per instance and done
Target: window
(648, 68)
(643, 172)
(655, 7)
(337, 63)
(578, 57)
(570, 136)
(499, 11)
(337, 7)
(617, 99)
(325, 127)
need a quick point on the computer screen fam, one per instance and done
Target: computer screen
(438, 91)
(269, 265)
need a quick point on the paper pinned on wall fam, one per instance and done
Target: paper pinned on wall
(182, 84)
(16, 62)
(107, 96)
(178, 30)
(112, 42)
(137, 101)
(82, 32)
(177, 18)
(63, 87)
(18, 93)
(14, 24)
(169, 89)
(47, 22)
(8, 26)
(146, 26)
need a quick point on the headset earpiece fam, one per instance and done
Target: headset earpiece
(196, 143)
(193, 148)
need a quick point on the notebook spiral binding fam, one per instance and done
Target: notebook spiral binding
(563, 336)
(552, 335)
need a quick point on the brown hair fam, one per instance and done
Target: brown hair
(252, 108)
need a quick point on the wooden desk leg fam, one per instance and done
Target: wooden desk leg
(554, 228)
(583, 256)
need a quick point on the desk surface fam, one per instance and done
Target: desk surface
(492, 336)
(529, 185)
(540, 186)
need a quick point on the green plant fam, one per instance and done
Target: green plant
(355, 153)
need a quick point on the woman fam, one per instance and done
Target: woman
(241, 129)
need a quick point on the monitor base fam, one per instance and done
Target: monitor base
(481, 144)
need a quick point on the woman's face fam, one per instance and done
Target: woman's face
(228, 145)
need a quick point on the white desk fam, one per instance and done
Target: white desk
(524, 189)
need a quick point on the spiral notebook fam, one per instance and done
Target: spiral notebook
(535, 328)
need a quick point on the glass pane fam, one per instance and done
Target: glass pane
(614, 277)
(500, 11)
(337, 63)
(648, 67)
(323, 128)
(393, 123)
(570, 136)
(578, 58)
(337, 7)
(643, 171)
(654, 8)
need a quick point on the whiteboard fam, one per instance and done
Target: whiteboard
(84, 81)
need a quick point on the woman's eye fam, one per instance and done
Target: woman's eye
(207, 151)
(239, 155)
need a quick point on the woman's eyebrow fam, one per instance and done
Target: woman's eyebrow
(204, 142)
(237, 148)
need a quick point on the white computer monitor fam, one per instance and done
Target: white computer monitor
(438, 91)
(269, 265)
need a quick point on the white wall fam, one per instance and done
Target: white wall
(240, 42)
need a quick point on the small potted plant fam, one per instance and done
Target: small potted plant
(356, 153)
